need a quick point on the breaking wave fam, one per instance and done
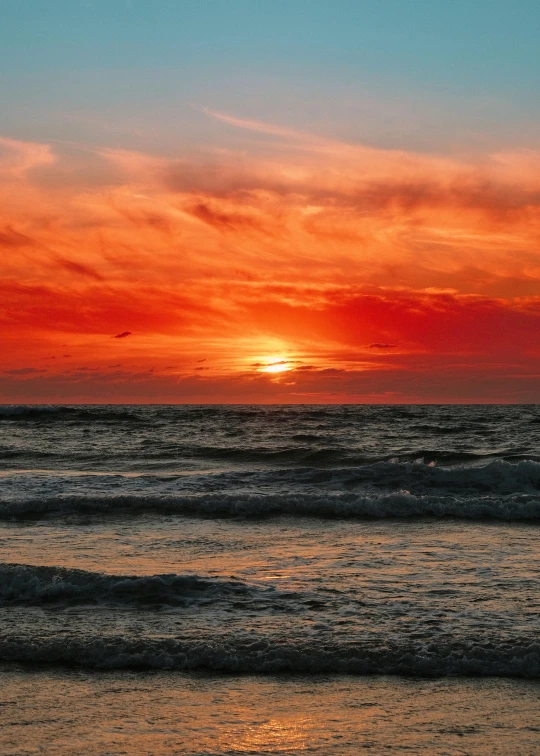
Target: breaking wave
(497, 490)
(342, 506)
(28, 584)
(496, 476)
(273, 656)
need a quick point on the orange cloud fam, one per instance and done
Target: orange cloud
(374, 265)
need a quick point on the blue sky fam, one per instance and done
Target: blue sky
(410, 74)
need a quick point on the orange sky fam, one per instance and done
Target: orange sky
(359, 274)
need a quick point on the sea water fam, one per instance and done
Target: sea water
(281, 579)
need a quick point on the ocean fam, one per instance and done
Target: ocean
(269, 579)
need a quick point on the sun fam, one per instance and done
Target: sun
(275, 365)
(275, 368)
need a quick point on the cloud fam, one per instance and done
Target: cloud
(349, 258)
(13, 239)
(18, 157)
(80, 269)
(234, 220)
(23, 371)
(429, 380)
(123, 335)
(440, 323)
(260, 127)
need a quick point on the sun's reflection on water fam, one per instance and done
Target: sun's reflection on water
(283, 735)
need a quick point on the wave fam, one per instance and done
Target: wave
(273, 656)
(57, 413)
(498, 490)
(497, 476)
(31, 585)
(421, 475)
(286, 455)
(520, 507)
(171, 454)
(319, 456)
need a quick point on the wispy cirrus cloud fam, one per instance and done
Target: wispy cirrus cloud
(18, 157)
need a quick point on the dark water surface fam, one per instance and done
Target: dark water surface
(155, 543)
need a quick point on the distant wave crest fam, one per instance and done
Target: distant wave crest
(59, 413)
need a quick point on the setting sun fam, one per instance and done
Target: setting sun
(276, 367)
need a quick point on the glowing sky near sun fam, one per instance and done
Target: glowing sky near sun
(269, 202)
